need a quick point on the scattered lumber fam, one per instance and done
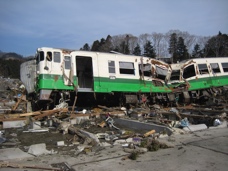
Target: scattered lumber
(37, 115)
(13, 165)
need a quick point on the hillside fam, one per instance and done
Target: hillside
(10, 64)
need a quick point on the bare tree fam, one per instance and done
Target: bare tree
(202, 41)
(157, 38)
(133, 40)
(143, 39)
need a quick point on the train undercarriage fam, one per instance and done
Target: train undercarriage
(58, 99)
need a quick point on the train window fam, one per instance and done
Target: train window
(146, 69)
(203, 69)
(215, 67)
(225, 67)
(189, 72)
(161, 72)
(175, 75)
(49, 56)
(57, 57)
(111, 67)
(41, 56)
(67, 62)
(127, 68)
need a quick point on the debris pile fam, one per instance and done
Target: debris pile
(137, 129)
(12, 96)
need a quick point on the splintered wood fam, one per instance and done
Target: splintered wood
(36, 115)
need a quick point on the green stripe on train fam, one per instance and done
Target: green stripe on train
(208, 82)
(101, 84)
(55, 82)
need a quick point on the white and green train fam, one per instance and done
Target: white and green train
(112, 78)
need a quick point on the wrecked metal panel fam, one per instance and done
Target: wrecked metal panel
(188, 63)
(157, 62)
(160, 68)
(45, 94)
(161, 71)
(28, 75)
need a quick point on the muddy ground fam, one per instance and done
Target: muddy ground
(21, 138)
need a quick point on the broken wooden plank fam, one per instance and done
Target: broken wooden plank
(14, 165)
(40, 113)
(149, 133)
(11, 119)
(18, 102)
(50, 112)
(104, 107)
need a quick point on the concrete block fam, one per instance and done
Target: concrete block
(79, 120)
(135, 125)
(13, 153)
(60, 143)
(13, 124)
(195, 127)
(38, 149)
(36, 125)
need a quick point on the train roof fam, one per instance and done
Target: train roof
(204, 59)
(91, 52)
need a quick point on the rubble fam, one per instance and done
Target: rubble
(138, 130)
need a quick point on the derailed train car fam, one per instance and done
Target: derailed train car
(61, 75)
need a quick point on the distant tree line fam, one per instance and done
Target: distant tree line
(10, 68)
(10, 64)
(175, 44)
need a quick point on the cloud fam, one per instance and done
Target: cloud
(75, 22)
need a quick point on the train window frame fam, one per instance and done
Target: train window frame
(146, 70)
(189, 71)
(215, 67)
(49, 56)
(57, 57)
(225, 67)
(111, 67)
(203, 69)
(67, 63)
(126, 68)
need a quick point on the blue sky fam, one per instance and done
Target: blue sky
(26, 25)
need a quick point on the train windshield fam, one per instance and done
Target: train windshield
(39, 56)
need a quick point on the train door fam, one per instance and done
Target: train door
(56, 62)
(84, 68)
(68, 70)
(48, 61)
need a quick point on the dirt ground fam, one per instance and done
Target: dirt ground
(192, 151)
